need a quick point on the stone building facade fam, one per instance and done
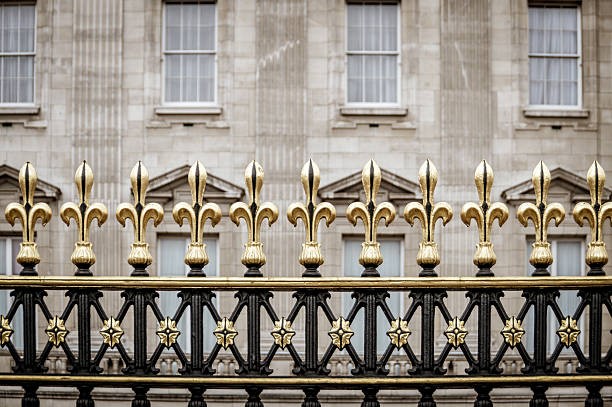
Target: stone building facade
(114, 81)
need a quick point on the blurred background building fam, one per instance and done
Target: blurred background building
(226, 82)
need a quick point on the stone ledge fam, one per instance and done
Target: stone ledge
(373, 111)
(16, 110)
(188, 110)
(556, 113)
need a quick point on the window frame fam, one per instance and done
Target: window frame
(186, 333)
(398, 54)
(17, 321)
(346, 294)
(578, 57)
(18, 54)
(164, 52)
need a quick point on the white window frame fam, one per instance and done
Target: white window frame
(552, 323)
(578, 57)
(17, 54)
(397, 53)
(346, 294)
(186, 316)
(164, 52)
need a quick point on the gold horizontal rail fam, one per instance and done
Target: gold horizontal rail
(292, 284)
(296, 382)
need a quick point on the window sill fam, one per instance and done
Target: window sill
(373, 111)
(187, 110)
(556, 113)
(19, 110)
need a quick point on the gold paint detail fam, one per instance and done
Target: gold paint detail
(568, 331)
(484, 213)
(253, 214)
(371, 214)
(28, 214)
(56, 331)
(399, 332)
(456, 332)
(428, 214)
(513, 331)
(140, 213)
(283, 332)
(111, 332)
(196, 215)
(167, 332)
(6, 331)
(225, 332)
(341, 333)
(596, 213)
(83, 214)
(540, 215)
(311, 214)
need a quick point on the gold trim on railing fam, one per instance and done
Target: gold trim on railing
(484, 213)
(28, 214)
(596, 214)
(540, 215)
(196, 215)
(428, 213)
(311, 214)
(140, 213)
(253, 214)
(83, 214)
(371, 214)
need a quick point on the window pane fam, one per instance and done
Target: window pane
(553, 81)
(553, 30)
(391, 267)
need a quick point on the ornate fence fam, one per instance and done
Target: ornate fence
(311, 293)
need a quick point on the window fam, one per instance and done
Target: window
(17, 53)
(171, 252)
(568, 261)
(372, 53)
(392, 252)
(9, 248)
(554, 56)
(189, 53)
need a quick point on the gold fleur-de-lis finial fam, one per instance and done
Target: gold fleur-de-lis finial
(83, 214)
(28, 214)
(596, 214)
(253, 214)
(484, 213)
(428, 213)
(540, 215)
(196, 214)
(140, 213)
(370, 214)
(311, 214)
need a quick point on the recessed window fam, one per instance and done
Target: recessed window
(189, 53)
(372, 53)
(17, 50)
(171, 253)
(391, 249)
(554, 56)
(9, 248)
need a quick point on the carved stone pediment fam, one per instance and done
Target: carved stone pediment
(393, 188)
(565, 186)
(172, 187)
(9, 187)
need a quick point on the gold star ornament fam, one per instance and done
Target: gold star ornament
(282, 333)
(399, 332)
(568, 331)
(111, 332)
(56, 330)
(5, 331)
(225, 333)
(456, 332)
(513, 332)
(340, 333)
(167, 332)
